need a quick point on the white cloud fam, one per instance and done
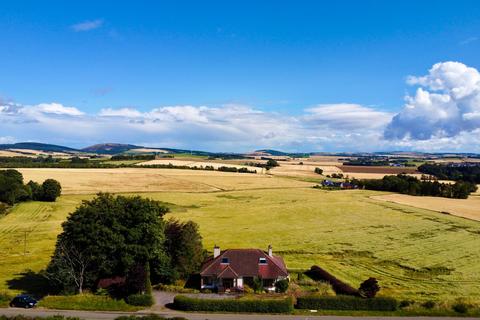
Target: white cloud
(87, 25)
(56, 108)
(446, 104)
(122, 112)
(347, 116)
(6, 140)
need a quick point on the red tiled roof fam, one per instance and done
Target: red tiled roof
(244, 263)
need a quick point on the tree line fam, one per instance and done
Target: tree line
(411, 185)
(461, 172)
(13, 190)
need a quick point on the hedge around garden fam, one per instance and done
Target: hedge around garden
(185, 303)
(346, 303)
(140, 300)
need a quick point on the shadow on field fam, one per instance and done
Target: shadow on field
(30, 282)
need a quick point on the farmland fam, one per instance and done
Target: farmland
(415, 253)
(466, 208)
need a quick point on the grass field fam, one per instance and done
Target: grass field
(415, 253)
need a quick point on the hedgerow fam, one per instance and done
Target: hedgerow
(340, 287)
(346, 303)
(141, 300)
(234, 305)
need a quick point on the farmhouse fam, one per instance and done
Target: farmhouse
(231, 269)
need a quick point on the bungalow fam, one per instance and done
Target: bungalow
(231, 269)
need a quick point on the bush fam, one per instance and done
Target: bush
(318, 171)
(3, 208)
(460, 307)
(428, 304)
(51, 190)
(148, 317)
(369, 288)
(247, 289)
(340, 287)
(234, 305)
(85, 302)
(140, 300)
(405, 303)
(257, 285)
(346, 303)
(4, 299)
(22, 317)
(281, 286)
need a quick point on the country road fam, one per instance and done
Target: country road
(99, 315)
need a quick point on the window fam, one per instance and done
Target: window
(224, 261)
(262, 261)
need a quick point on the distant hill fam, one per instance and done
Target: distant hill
(38, 147)
(271, 152)
(110, 148)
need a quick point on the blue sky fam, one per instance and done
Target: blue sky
(236, 76)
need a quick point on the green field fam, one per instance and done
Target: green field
(415, 253)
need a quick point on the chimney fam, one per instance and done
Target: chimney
(216, 251)
(270, 253)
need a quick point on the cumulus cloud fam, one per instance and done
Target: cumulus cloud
(87, 25)
(446, 104)
(56, 108)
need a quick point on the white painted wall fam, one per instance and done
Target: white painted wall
(239, 282)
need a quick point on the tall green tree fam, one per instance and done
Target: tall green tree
(51, 190)
(12, 189)
(111, 236)
(184, 246)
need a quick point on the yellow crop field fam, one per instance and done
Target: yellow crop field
(466, 208)
(90, 181)
(415, 253)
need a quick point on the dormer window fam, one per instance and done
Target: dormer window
(225, 261)
(262, 261)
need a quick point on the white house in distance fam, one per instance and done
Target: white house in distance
(231, 269)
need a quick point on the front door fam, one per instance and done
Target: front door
(227, 284)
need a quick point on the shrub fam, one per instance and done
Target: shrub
(85, 302)
(148, 317)
(281, 286)
(318, 171)
(405, 303)
(460, 307)
(247, 289)
(340, 287)
(346, 303)
(140, 300)
(257, 285)
(369, 288)
(4, 299)
(22, 317)
(428, 304)
(3, 208)
(234, 305)
(51, 190)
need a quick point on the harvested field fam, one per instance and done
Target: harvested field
(465, 208)
(7, 153)
(88, 181)
(374, 169)
(372, 172)
(190, 163)
(294, 169)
